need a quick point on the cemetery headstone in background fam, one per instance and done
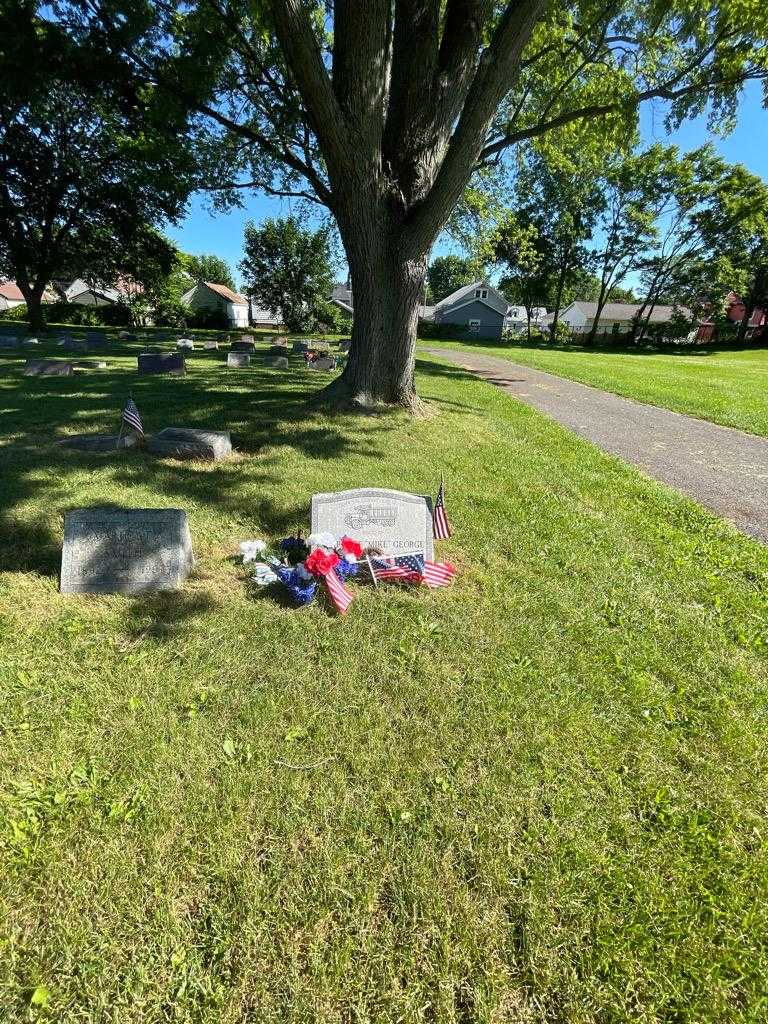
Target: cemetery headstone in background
(345, 344)
(125, 551)
(238, 359)
(8, 341)
(190, 443)
(243, 346)
(162, 362)
(277, 362)
(301, 346)
(211, 344)
(47, 368)
(99, 442)
(187, 343)
(322, 363)
(89, 364)
(395, 522)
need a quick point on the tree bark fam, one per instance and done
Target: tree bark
(33, 296)
(387, 288)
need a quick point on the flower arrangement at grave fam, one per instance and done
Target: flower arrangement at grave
(322, 560)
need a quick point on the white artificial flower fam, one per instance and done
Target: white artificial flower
(349, 557)
(327, 541)
(251, 548)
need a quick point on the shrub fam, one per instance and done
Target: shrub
(16, 314)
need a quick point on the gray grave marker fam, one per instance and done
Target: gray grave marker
(187, 343)
(161, 362)
(211, 344)
(277, 363)
(189, 443)
(396, 522)
(47, 368)
(238, 359)
(8, 341)
(242, 346)
(125, 551)
(322, 363)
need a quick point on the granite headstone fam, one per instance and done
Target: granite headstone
(190, 443)
(47, 368)
(125, 551)
(395, 522)
(243, 346)
(277, 362)
(238, 359)
(210, 344)
(161, 362)
(322, 363)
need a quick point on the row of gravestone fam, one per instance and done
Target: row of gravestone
(131, 551)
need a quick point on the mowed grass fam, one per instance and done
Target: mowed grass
(727, 386)
(538, 796)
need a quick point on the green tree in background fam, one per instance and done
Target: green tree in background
(89, 161)
(209, 268)
(385, 112)
(289, 270)
(447, 273)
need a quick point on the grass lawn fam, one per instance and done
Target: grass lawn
(537, 796)
(725, 386)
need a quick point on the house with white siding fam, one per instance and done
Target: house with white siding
(209, 295)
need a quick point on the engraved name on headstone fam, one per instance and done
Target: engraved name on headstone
(238, 359)
(161, 362)
(395, 522)
(125, 551)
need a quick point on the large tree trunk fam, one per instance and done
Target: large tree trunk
(387, 289)
(33, 296)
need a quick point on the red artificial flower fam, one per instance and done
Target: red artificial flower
(320, 562)
(351, 547)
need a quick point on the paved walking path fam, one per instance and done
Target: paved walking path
(724, 469)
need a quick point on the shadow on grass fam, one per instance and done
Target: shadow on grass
(266, 412)
(162, 616)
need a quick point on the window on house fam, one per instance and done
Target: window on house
(474, 325)
(481, 293)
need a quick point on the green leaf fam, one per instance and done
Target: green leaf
(40, 997)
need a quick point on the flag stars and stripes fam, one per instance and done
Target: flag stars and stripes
(441, 528)
(131, 416)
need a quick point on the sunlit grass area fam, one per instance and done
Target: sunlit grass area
(538, 795)
(728, 386)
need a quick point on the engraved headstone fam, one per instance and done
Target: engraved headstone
(47, 368)
(322, 363)
(238, 359)
(301, 346)
(211, 344)
(161, 362)
(395, 522)
(187, 343)
(99, 442)
(189, 443)
(278, 350)
(277, 363)
(243, 346)
(125, 551)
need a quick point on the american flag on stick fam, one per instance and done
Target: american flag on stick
(441, 528)
(338, 593)
(131, 417)
(411, 569)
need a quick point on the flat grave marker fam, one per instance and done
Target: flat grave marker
(395, 522)
(125, 551)
(161, 362)
(190, 443)
(47, 368)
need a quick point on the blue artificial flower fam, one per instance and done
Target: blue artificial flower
(295, 548)
(345, 569)
(301, 589)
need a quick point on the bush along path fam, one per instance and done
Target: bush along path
(724, 469)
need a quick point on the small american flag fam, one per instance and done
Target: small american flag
(406, 568)
(440, 526)
(438, 574)
(341, 597)
(131, 417)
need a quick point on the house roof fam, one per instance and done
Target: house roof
(227, 293)
(518, 313)
(626, 311)
(10, 290)
(494, 298)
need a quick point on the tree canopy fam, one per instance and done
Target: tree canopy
(288, 269)
(208, 267)
(447, 273)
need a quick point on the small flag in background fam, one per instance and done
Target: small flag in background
(131, 417)
(440, 526)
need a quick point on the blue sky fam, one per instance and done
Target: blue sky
(205, 232)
